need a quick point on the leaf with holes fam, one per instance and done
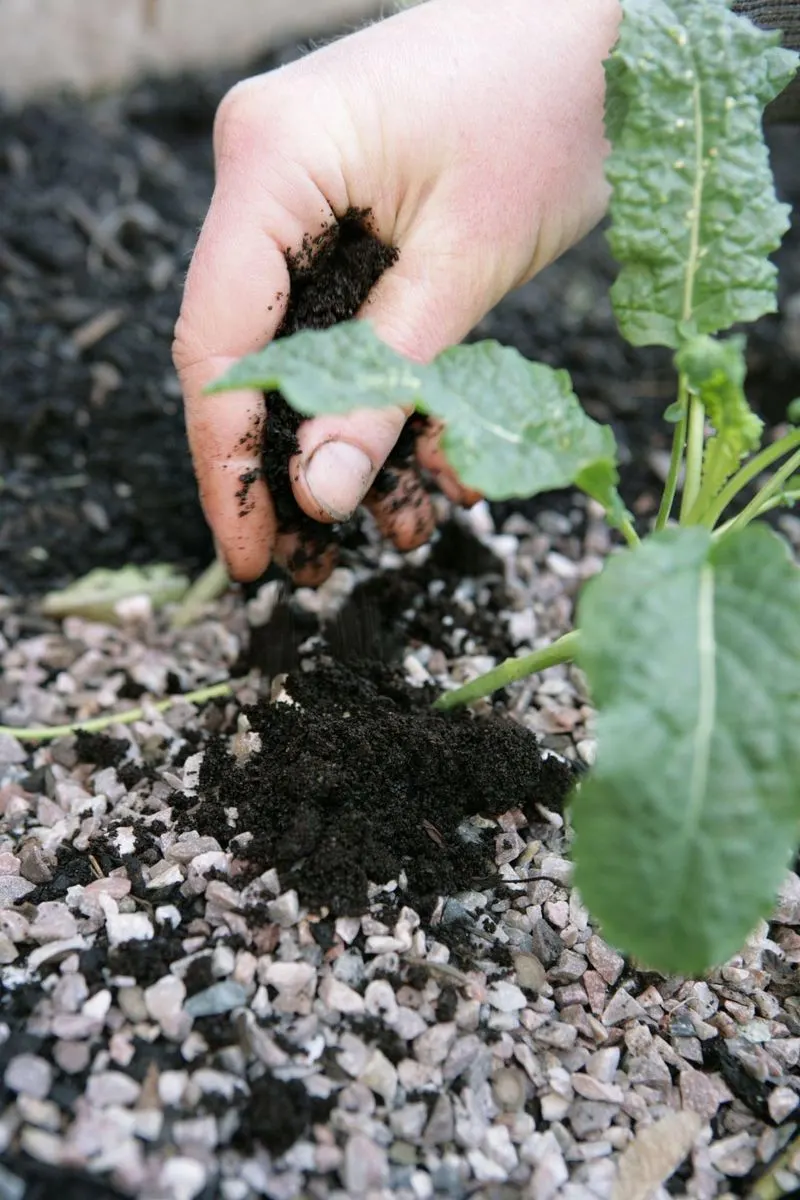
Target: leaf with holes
(687, 85)
(684, 829)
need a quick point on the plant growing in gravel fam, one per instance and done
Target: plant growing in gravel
(690, 637)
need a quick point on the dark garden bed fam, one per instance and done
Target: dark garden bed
(312, 938)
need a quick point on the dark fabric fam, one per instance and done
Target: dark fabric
(783, 15)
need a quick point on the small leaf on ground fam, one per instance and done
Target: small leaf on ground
(98, 595)
(513, 427)
(686, 825)
(687, 84)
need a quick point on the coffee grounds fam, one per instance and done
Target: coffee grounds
(361, 780)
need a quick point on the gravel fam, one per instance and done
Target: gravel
(174, 1030)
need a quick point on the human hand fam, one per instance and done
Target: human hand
(474, 134)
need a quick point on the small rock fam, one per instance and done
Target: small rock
(11, 751)
(125, 927)
(33, 864)
(603, 1063)
(29, 1075)
(569, 968)
(591, 1088)
(433, 1046)
(440, 1129)
(408, 1122)
(497, 1144)
(734, 1156)
(788, 909)
(220, 998)
(781, 1103)
(108, 1088)
(703, 1093)
(72, 1057)
(164, 1000)
(182, 1178)
(340, 997)
(380, 1000)
(623, 1007)
(555, 868)
(506, 997)
(366, 1166)
(381, 1076)
(485, 1169)
(546, 944)
(510, 1089)
(13, 888)
(285, 911)
(605, 961)
(530, 973)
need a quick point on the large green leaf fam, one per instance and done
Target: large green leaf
(513, 428)
(694, 214)
(692, 652)
(329, 371)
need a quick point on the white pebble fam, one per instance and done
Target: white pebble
(29, 1075)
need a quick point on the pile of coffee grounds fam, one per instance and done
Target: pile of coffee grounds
(359, 780)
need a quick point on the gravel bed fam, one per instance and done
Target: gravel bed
(171, 1028)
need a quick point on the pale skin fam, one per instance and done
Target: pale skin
(474, 133)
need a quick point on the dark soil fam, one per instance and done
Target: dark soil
(330, 279)
(360, 780)
(99, 207)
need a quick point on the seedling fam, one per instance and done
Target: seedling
(689, 638)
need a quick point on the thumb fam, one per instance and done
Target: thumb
(419, 307)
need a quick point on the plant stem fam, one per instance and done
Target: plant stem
(207, 587)
(784, 500)
(676, 458)
(750, 470)
(561, 651)
(96, 724)
(629, 533)
(762, 497)
(694, 456)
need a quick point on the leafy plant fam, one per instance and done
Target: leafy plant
(690, 638)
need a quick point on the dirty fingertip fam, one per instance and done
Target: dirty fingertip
(403, 513)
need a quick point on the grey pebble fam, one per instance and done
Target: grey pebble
(547, 945)
(219, 998)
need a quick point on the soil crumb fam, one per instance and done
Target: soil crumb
(359, 781)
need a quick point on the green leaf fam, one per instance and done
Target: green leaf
(793, 411)
(513, 428)
(715, 372)
(689, 819)
(329, 371)
(98, 595)
(693, 210)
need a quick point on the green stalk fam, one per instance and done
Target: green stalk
(561, 651)
(676, 458)
(206, 588)
(754, 467)
(629, 533)
(762, 497)
(46, 733)
(695, 443)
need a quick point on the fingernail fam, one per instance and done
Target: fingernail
(338, 477)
